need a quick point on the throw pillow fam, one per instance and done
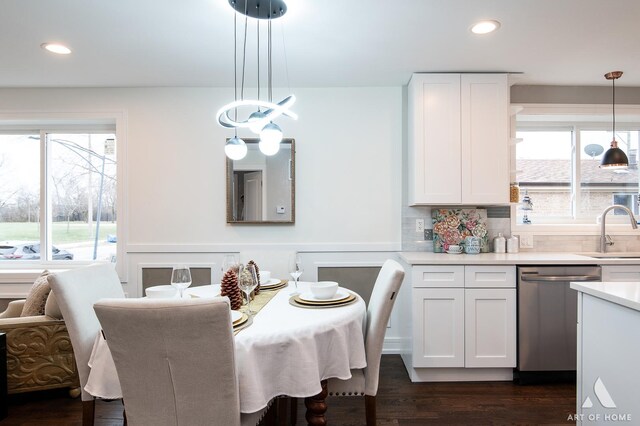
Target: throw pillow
(37, 297)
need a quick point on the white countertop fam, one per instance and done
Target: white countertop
(622, 293)
(522, 258)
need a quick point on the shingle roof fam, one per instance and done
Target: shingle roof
(559, 171)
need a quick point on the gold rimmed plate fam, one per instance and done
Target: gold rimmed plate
(295, 301)
(279, 284)
(240, 321)
(302, 301)
(340, 295)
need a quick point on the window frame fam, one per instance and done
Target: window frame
(44, 123)
(627, 118)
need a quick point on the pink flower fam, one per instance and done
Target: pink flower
(452, 236)
(452, 222)
(439, 228)
(471, 224)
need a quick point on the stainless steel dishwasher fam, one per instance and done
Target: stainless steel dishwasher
(547, 316)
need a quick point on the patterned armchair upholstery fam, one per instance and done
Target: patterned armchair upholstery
(39, 352)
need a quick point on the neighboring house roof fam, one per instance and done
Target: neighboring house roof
(559, 172)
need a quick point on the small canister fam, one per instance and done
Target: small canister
(513, 244)
(499, 243)
(472, 245)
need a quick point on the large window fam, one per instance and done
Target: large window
(557, 165)
(57, 196)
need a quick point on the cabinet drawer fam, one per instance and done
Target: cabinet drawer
(490, 276)
(438, 276)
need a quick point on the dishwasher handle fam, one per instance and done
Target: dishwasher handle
(536, 277)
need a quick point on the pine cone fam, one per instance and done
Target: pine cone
(257, 290)
(229, 287)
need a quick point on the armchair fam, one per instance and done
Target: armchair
(39, 352)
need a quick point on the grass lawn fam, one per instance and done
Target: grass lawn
(74, 233)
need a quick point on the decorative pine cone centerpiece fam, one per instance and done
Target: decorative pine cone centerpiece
(257, 290)
(229, 287)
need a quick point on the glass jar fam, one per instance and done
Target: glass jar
(514, 193)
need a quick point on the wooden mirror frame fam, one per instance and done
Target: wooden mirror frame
(292, 171)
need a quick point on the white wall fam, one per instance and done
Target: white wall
(348, 163)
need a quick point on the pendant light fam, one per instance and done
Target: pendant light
(261, 120)
(614, 158)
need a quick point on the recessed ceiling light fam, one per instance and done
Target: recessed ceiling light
(56, 48)
(485, 27)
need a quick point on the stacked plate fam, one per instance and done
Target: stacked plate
(273, 284)
(342, 297)
(238, 318)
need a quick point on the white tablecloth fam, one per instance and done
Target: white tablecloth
(286, 351)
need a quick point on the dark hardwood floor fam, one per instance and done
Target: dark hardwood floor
(400, 402)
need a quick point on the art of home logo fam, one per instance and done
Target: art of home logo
(606, 401)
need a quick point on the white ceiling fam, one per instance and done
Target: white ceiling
(328, 42)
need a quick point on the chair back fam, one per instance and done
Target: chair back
(175, 360)
(76, 291)
(384, 295)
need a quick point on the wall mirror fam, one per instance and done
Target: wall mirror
(260, 188)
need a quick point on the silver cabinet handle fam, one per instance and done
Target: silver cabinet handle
(534, 277)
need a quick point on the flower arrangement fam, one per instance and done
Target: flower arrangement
(452, 226)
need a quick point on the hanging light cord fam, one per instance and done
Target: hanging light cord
(235, 68)
(286, 61)
(270, 78)
(614, 110)
(258, 51)
(244, 48)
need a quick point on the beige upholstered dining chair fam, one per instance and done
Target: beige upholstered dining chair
(365, 382)
(76, 291)
(175, 360)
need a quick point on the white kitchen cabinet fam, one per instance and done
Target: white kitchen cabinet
(464, 316)
(438, 329)
(458, 139)
(490, 327)
(618, 273)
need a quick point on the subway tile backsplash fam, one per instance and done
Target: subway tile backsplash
(498, 220)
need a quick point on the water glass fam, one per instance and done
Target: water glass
(247, 281)
(295, 270)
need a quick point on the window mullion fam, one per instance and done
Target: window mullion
(576, 175)
(45, 198)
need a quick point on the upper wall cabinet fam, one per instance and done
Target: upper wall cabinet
(458, 139)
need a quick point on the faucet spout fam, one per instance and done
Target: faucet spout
(604, 241)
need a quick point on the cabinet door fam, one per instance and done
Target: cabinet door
(438, 327)
(485, 138)
(490, 328)
(434, 139)
(629, 273)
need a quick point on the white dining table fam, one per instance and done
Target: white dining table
(287, 350)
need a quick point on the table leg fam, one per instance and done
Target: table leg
(316, 407)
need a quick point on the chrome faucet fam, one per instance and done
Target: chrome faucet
(605, 240)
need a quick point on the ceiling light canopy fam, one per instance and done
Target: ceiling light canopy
(260, 120)
(58, 48)
(614, 158)
(485, 27)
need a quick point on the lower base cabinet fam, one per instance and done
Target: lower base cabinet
(466, 327)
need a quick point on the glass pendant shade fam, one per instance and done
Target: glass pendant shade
(236, 148)
(271, 133)
(268, 148)
(256, 122)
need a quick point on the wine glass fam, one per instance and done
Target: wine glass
(181, 278)
(247, 281)
(228, 261)
(295, 269)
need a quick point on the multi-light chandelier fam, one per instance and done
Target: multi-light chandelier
(261, 120)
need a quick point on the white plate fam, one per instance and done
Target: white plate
(340, 294)
(272, 281)
(235, 316)
(454, 252)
